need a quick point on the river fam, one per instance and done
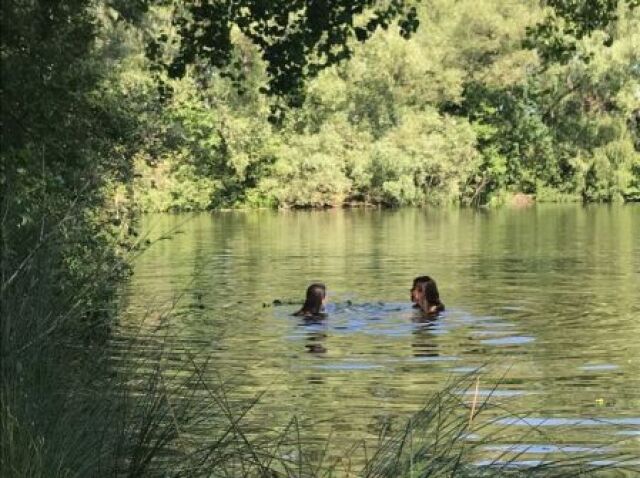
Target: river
(544, 301)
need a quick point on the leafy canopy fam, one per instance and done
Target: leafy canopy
(296, 38)
(556, 37)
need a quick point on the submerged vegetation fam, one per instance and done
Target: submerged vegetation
(460, 112)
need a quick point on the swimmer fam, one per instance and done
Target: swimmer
(416, 288)
(314, 302)
(426, 296)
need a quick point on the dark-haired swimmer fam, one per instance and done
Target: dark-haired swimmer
(427, 296)
(416, 290)
(314, 302)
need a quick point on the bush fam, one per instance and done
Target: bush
(309, 172)
(426, 160)
(612, 172)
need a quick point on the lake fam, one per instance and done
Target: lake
(546, 300)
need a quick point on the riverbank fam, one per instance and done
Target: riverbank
(488, 120)
(499, 199)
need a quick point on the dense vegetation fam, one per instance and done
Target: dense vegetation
(464, 111)
(93, 128)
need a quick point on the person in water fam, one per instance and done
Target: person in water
(425, 295)
(416, 289)
(314, 302)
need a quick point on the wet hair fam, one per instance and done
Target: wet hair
(421, 280)
(313, 301)
(417, 284)
(429, 289)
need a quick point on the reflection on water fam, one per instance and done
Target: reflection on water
(315, 330)
(545, 300)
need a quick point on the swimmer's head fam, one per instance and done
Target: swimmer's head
(417, 288)
(429, 292)
(315, 299)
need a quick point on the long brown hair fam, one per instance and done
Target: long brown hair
(313, 300)
(431, 295)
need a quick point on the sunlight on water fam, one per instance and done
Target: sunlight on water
(543, 301)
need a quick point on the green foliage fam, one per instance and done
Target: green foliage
(66, 141)
(557, 37)
(307, 174)
(612, 173)
(477, 117)
(340, 164)
(203, 157)
(427, 159)
(174, 184)
(296, 40)
(68, 134)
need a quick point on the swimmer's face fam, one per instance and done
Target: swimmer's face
(415, 294)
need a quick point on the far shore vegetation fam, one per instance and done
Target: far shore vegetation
(463, 112)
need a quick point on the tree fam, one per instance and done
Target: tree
(296, 38)
(556, 37)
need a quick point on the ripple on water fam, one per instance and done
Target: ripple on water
(599, 367)
(346, 366)
(465, 369)
(496, 393)
(537, 463)
(563, 422)
(511, 340)
(520, 294)
(512, 463)
(536, 448)
(439, 358)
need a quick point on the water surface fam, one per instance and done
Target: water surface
(545, 300)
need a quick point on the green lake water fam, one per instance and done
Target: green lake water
(545, 299)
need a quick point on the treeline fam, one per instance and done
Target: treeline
(462, 112)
